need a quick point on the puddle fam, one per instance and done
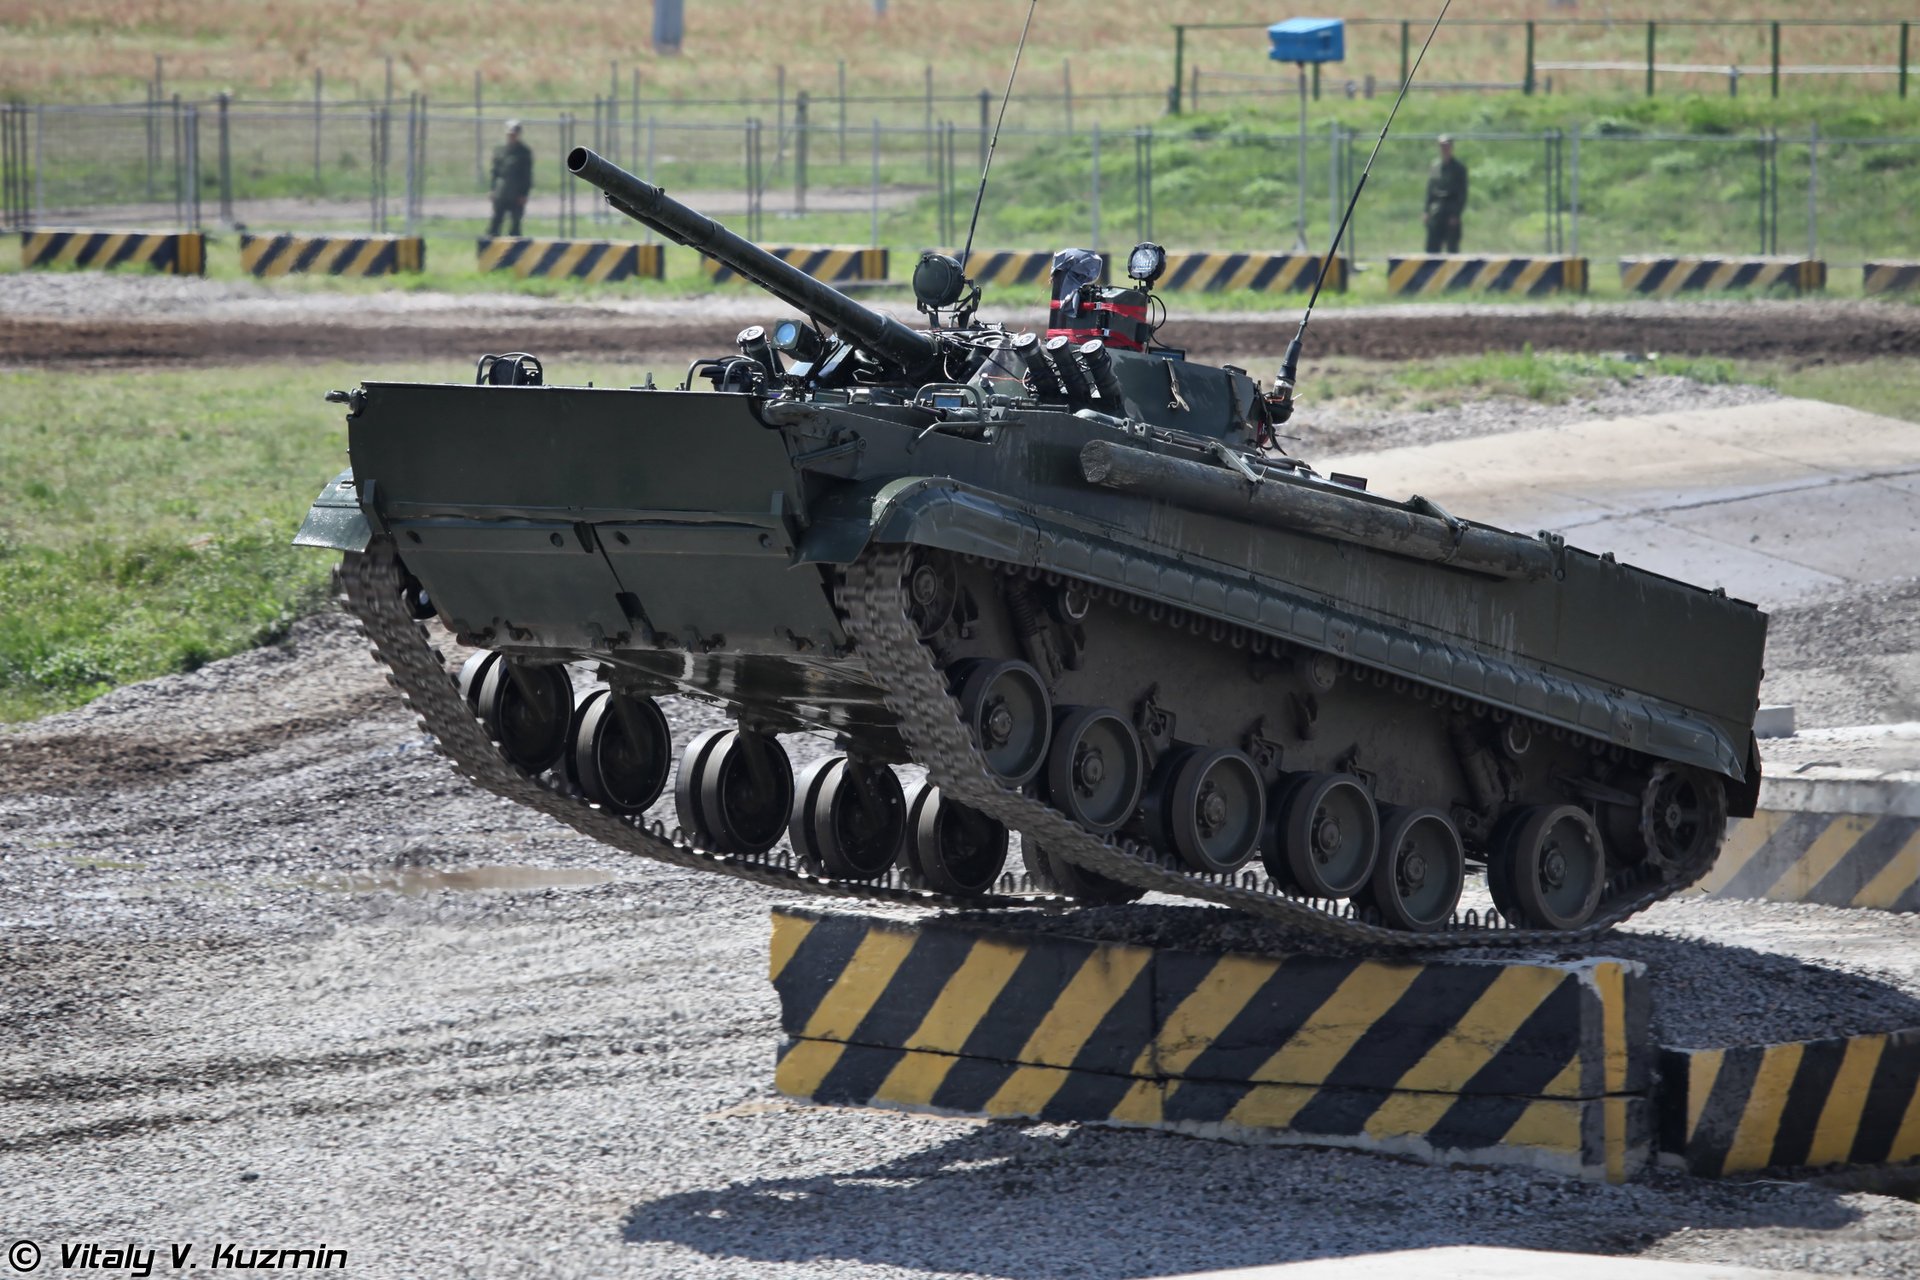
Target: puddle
(420, 881)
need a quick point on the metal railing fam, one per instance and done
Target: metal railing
(1601, 189)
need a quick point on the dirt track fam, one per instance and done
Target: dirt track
(213, 323)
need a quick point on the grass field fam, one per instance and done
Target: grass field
(145, 516)
(539, 49)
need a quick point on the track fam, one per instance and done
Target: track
(371, 585)
(873, 597)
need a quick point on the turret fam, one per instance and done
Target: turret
(877, 334)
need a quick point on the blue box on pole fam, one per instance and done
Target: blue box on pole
(1308, 40)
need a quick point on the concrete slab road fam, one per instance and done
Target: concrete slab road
(1466, 1263)
(1772, 501)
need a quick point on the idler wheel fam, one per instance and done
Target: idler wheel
(1421, 869)
(1555, 867)
(1325, 836)
(954, 849)
(1095, 767)
(527, 710)
(745, 787)
(852, 817)
(1057, 875)
(1006, 707)
(1215, 808)
(622, 751)
(1683, 817)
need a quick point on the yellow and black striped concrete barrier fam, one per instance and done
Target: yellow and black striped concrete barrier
(183, 253)
(1666, 276)
(1006, 267)
(1534, 276)
(332, 255)
(1852, 1100)
(835, 265)
(598, 261)
(1262, 272)
(1838, 859)
(1891, 277)
(1543, 1064)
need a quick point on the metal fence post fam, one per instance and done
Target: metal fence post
(800, 152)
(193, 166)
(179, 162)
(319, 84)
(479, 135)
(1066, 90)
(933, 156)
(1813, 190)
(1095, 246)
(1405, 35)
(225, 160)
(780, 118)
(1149, 184)
(413, 131)
(1776, 58)
(1526, 81)
(39, 170)
(873, 235)
(651, 123)
(153, 134)
(843, 110)
(1179, 69)
(1573, 198)
(1650, 35)
(1333, 175)
(1905, 29)
(986, 103)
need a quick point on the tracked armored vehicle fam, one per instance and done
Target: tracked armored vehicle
(1071, 575)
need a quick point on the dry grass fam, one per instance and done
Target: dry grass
(540, 49)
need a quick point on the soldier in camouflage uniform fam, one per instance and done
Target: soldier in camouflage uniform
(512, 180)
(1446, 200)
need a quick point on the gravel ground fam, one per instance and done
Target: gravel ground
(244, 1003)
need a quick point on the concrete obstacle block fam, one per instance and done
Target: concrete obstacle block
(1891, 277)
(181, 253)
(835, 265)
(1851, 1100)
(332, 255)
(1546, 1064)
(1415, 275)
(1665, 276)
(1839, 841)
(1261, 272)
(990, 268)
(597, 261)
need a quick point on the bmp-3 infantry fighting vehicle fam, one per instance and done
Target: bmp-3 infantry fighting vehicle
(1075, 579)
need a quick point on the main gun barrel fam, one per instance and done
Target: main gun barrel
(878, 334)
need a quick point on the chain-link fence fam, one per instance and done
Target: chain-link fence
(1603, 189)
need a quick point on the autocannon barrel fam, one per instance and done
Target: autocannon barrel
(879, 334)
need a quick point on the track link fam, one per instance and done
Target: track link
(874, 598)
(370, 585)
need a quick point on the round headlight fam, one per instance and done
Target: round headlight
(938, 281)
(1146, 262)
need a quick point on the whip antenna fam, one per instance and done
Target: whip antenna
(1290, 368)
(987, 167)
